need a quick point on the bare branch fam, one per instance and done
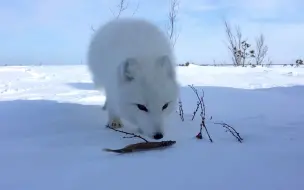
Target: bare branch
(136, 9)
(181, 111)
(173, 36)
(231, 130)
(261, 50)
(232, 43)
(121, 6)
(201, 104)
(132, 134)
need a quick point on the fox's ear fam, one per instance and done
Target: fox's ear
(129, 69)
(165, 64)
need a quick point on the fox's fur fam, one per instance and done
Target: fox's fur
(133, 62)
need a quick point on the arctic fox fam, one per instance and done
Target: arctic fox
(133, 62)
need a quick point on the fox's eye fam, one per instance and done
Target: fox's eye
(142, 107)
(165, 106)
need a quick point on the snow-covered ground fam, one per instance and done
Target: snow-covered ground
(52, 133)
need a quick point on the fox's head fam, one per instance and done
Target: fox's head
(148, 93)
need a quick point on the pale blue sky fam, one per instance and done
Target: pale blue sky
(58, 31)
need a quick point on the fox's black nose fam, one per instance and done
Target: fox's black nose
(158, 136)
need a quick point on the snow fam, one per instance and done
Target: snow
(52, 133)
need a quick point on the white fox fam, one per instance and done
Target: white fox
(133, 62)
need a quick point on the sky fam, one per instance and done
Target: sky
(58, 31)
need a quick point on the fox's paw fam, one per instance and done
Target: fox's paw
(115, 123)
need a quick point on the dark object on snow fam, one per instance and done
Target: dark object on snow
(142, 146)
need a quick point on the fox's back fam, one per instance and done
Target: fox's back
(123, 38)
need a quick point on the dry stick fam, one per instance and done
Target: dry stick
(225, 125)
(232, 131)
(203, 111)
(201, 104)
(132, 134)
(196, 109)
(181, 111)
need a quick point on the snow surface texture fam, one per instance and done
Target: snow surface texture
(52, 133)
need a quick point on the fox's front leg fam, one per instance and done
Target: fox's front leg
(114, 120)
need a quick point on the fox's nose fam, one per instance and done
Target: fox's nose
(158, 136)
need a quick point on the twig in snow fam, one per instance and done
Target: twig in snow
(231, 130)
(196, 109)
(132, 134)
(201, 104)
(181, 111)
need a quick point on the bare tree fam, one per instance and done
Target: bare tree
(121, 6)
(232, 44)
(238, 46)
(136, 9)
(261, 50)
(173, 35)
